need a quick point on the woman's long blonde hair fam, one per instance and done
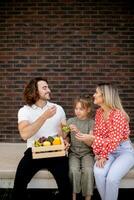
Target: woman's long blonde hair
(111, 97)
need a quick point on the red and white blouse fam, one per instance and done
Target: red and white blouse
(109, 133)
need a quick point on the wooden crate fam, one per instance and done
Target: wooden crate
(49, 151)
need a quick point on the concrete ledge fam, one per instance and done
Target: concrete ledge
(11, 153)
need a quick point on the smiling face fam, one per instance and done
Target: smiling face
(98, 97)
(44, 91)
(81, 112)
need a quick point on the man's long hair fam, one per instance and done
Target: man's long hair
(31, 94)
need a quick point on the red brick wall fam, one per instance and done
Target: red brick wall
(75, 44)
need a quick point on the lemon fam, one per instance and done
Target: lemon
(37, 143)
(46, 143)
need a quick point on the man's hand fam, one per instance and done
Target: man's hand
(101, 162)
(27, 129)
(67, 145)
(50, 112)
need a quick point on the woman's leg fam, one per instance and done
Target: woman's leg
(100, 176)
(118, 170)
(87, 178)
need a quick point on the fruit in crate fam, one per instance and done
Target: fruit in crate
(50, 147)
(42, 141)
(39, 142)
(50, 139)
(56, 141)
(66, 129)
(46, 143)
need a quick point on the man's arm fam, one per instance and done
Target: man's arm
(27, 130)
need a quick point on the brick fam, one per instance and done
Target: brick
(75, 44)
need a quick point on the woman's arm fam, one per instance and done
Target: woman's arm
(117, 128)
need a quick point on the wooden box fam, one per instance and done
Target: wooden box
(49, 151)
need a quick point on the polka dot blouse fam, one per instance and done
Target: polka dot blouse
(109, 133)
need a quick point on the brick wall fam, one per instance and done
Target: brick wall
(75, 44)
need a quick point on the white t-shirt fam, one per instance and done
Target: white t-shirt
(50, 127)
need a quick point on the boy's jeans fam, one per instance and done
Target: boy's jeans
(119, 163)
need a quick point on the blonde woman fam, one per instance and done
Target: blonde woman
(110, 142)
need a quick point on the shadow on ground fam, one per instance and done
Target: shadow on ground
(35, 194)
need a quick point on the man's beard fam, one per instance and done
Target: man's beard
(46, 97)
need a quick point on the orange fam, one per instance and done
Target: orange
(56, 141)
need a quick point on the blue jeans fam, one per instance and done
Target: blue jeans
(118, 164)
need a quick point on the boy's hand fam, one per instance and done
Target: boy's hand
(86, 138)
(83, 137)
(74, 128)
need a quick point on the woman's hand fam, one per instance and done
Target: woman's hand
(97, 157)
(101, 162)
